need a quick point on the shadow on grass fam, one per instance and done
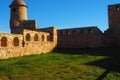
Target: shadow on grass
(112, 63)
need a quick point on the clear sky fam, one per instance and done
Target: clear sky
(61, 13)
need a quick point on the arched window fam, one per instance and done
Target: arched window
(43, 37)
(16, 41)
(3, 42)
(27, 37)
(14, 9)
(36, 37)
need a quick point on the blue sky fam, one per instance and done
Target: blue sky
(61, 13)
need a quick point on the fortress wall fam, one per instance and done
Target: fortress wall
(80, 38)
(10, 45)
(32, 48)
(53, 33)
(42, 41)
(27, 45)
(34, 36)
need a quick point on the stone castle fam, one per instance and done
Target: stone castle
(26, 38)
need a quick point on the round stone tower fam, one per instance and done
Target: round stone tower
(18, 14)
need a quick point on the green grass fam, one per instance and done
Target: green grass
(55, 66)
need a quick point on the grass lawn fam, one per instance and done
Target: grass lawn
(82, 65)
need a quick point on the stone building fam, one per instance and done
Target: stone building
(26, 38)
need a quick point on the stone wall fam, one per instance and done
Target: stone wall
(87, 37)
(31, 42)
(53, 32)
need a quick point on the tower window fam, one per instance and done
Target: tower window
(117, 8)
(14, 9)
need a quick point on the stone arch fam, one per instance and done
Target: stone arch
(36, 37)
(16, 41)
(28, 37)
(43, 38)
(3, 42)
